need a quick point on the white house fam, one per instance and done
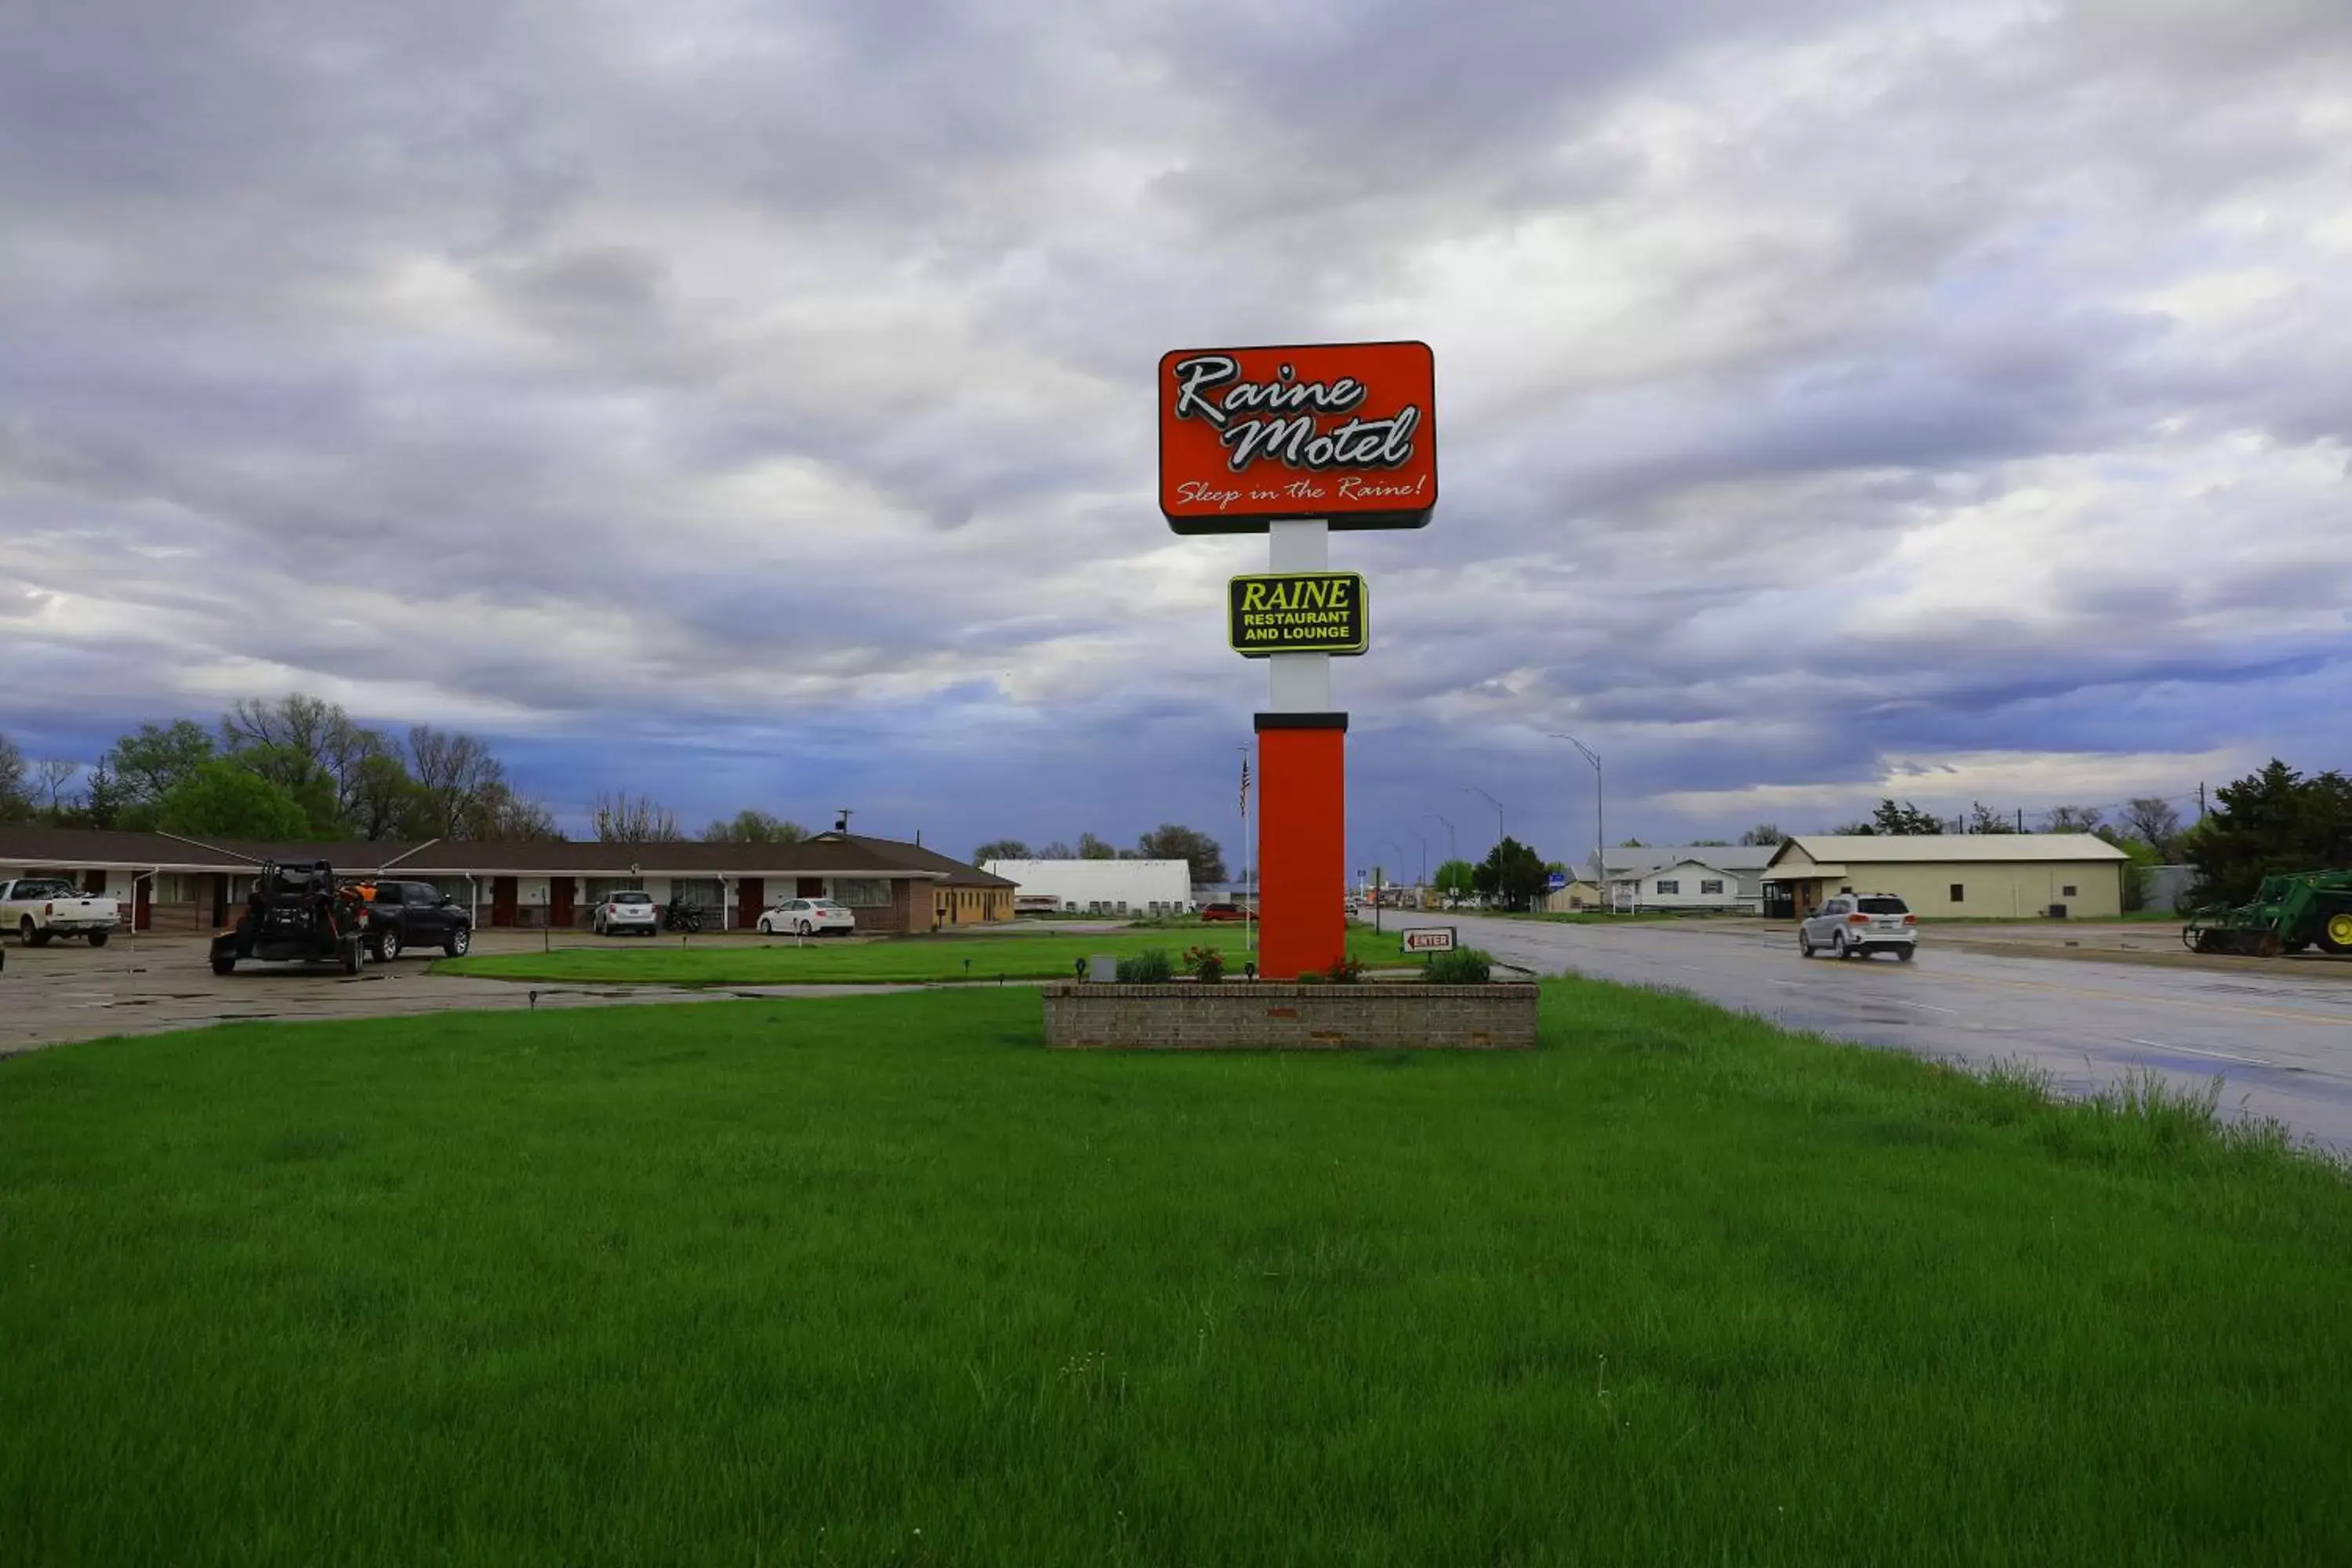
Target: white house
(1689, 884)
(1688, 876)
(1100, 886)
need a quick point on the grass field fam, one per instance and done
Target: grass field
(879, 1280)
(1025, 957)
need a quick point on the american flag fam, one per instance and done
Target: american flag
(1245, 783)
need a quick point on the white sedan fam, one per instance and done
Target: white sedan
(807, 916)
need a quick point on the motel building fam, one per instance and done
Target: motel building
(167, 883)
(2005, 876)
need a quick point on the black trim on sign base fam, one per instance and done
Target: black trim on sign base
(1302, 721)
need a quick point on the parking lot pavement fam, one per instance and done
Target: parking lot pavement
(139, 986)
(2279, 1034)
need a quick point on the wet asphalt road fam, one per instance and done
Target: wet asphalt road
(2282, 1043)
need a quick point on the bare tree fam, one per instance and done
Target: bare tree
(299, 725)
(501, 814)
(15, 803)
(53, 776)
(2071, 819)
(455, 774)
(625, 818)
(1764, 835)
(2152, 821)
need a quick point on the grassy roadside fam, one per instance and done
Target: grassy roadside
(915, 960)
(879, 1280)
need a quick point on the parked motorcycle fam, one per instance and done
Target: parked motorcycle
(680, 915)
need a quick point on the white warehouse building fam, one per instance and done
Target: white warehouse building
(1098, 887)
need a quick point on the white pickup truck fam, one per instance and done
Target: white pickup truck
(38, 908)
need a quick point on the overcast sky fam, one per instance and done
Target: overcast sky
(754, 404)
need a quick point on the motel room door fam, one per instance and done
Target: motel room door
(750, 898)
(503, 898)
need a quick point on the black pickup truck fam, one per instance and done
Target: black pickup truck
(401, 915)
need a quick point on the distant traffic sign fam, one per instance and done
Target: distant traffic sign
(1558, 881)
(1429, 939)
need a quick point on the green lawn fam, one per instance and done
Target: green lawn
(1023, 957)
(881, 1280)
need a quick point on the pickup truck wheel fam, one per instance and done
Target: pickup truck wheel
(459, 941)
(98, 939)
(224, 964)
(387, 945)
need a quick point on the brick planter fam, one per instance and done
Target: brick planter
(1266, 1017)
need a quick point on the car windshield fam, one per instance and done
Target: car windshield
(1884, 907)
(827, 904)
(633, 897)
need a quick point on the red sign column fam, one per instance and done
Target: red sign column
(1302, 842)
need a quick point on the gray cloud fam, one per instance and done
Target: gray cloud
(756, 403)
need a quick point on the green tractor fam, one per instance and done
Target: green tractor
(2289, 914)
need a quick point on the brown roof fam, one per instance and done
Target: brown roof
(826, 855)
(959, 873)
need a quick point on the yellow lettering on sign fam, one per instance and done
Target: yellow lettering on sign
(1253, 595)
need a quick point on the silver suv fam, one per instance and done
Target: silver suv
(1855, 925)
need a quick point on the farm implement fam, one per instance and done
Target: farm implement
(2289, 914)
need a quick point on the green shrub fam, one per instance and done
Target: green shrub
(1205, 964)
(1150, 967)
(1459, 966)
(1347, 971)
(1310, 977)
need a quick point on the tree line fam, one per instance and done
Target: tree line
(1169, 841)
(299, 767)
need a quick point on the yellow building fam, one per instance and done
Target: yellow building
(1988, 875)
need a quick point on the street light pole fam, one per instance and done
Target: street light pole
(1451, 854)
(1498, 804)
(1423, 882)
(1599, 827)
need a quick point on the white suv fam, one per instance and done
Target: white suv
(1855, 925)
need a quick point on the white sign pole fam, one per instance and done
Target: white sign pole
(1299, 682)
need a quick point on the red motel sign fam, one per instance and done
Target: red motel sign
(1342, 432)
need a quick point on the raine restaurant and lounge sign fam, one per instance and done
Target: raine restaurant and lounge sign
(1341, 433)
(1297, 612)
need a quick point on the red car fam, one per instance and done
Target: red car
(1222, 912)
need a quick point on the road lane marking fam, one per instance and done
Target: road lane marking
(2216, 1056)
